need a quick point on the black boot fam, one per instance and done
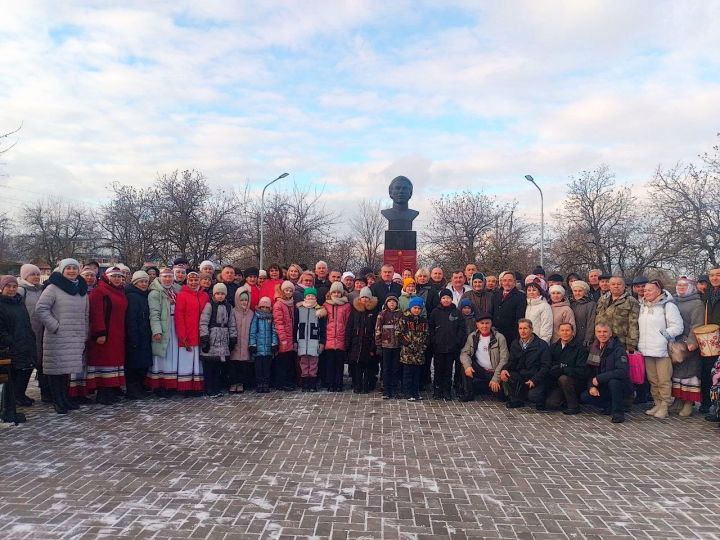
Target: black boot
(104, 396)
(314, 384)
(21, 378)
(70, 405)
(44, 385)
(56, 382)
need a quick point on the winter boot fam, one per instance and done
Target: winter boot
(21, 378)
(314, 384)
(687, 409)
(55, 382)
(70, 405)
(676, 406)
(104, 397)
(654, 409)
(662, 411)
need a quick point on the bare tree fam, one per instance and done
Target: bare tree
(601, 225)
(458, 226)
(297, 228)
(367, 230)
(508, 244)
(687, 199)
(6, 136)
(54, 229)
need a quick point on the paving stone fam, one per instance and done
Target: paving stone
(344, 466)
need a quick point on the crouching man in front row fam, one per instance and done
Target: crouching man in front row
(527, 369)
(609, 380)
(483, 358)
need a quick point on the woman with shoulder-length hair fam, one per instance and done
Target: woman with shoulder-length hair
(293, 273)
(63, 309)
(686, 374)
(106, 348)
(163, 375)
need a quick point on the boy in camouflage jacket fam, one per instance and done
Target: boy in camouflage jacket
(413, 335)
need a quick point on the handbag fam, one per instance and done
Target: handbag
(678, 351)
(636, 367)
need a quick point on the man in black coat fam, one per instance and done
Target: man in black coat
(568, 371)
(385, 286)
(609, 379)
(509, 307)
(527, 368)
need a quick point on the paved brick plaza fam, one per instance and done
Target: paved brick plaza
(346, 466)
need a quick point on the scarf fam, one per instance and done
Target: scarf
(714, 295)
(595, 354)
(170, 294)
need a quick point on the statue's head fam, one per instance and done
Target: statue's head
(400, 190)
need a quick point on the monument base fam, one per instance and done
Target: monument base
(401, 259)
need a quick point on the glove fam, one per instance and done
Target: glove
(233, 343)
(252, 349)
(274, 349)
(205, 344)
(469, 372)
(666, 335)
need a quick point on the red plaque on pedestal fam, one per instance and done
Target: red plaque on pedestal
(401, 259)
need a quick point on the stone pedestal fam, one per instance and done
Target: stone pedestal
(401, 250)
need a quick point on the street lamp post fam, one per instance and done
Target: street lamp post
(262, 216)
(542, 220)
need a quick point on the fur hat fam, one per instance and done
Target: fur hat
(365, 292)
(181, 260)
(252, 271)
(580, 284)
(264, 302)
(208, 263)
(557, 288)
(446, 292)
(310, 291)
(336, 287)
(139, 275)
(555, 277)
(539, 271)
(416, 301)
(220, 287)
(26, 270)
(68, 262)
(7, 280)
(287, 285)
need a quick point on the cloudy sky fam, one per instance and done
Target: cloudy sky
(345, 95)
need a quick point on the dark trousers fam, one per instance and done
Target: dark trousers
(519, 392)
(212, 375)
(411, 380)
(706, 379)
(8, 395)
(21, 379)
(363, 374)
(263, 370)
(284, 370)
(323, 372)
(611, 395)
(443, 371)
(334, 368)
(426, 376)
(391, 371)
(564, 390)
(241, 372)
(43, 384)
(479, 383)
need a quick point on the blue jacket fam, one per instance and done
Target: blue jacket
(263, 335)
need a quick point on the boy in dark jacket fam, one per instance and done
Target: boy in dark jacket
(568, 371)
(360, 342)
(263, 343)
(386, 340)
(609, 379)
(413, 335)
(447, 330)
(527, 368)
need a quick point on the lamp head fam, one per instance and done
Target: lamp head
(529, 178)
(283, 175)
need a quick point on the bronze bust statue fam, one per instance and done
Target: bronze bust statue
(400, 217)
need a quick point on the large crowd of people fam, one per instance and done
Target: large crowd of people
(557, 343)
